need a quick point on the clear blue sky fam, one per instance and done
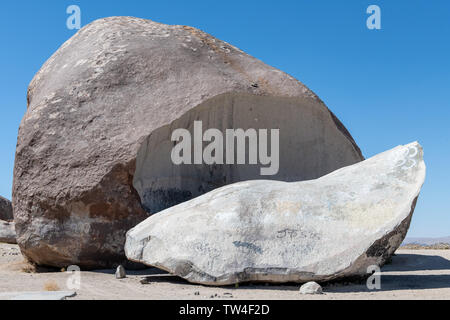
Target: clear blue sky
(389, 86)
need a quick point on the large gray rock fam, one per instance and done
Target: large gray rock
(7, 232)
(325, 229)
(95, 139)
(6, 212)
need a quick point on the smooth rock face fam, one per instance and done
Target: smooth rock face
(310, 146)
(7, 232)
(95, 139)
(311, 288)
(325, 229)
(6, 212)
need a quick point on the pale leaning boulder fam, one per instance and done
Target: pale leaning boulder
(93, 154)
(7, 232)
(324, 229)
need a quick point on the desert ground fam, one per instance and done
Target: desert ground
(412, 274)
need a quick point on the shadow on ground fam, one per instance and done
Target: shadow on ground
(417, 262)
(395, 276)
(149, 275)
(432, 272)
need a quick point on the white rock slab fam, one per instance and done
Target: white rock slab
(318, 230)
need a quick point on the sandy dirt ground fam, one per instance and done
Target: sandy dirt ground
(413, 274)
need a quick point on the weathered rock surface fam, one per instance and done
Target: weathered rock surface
(311, 288)
(7, 232)
(324, 229)
(6, 212)
(97, 129)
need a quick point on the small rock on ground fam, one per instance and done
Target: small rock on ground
(311, 288)
(120, 272)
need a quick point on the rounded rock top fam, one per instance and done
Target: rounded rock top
(311, 288)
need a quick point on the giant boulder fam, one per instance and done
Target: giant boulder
(93, 151)
(320, 230)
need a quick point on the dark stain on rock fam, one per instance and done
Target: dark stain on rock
(248, 245)
(382, 247)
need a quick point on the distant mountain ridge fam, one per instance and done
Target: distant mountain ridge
(426, 241)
